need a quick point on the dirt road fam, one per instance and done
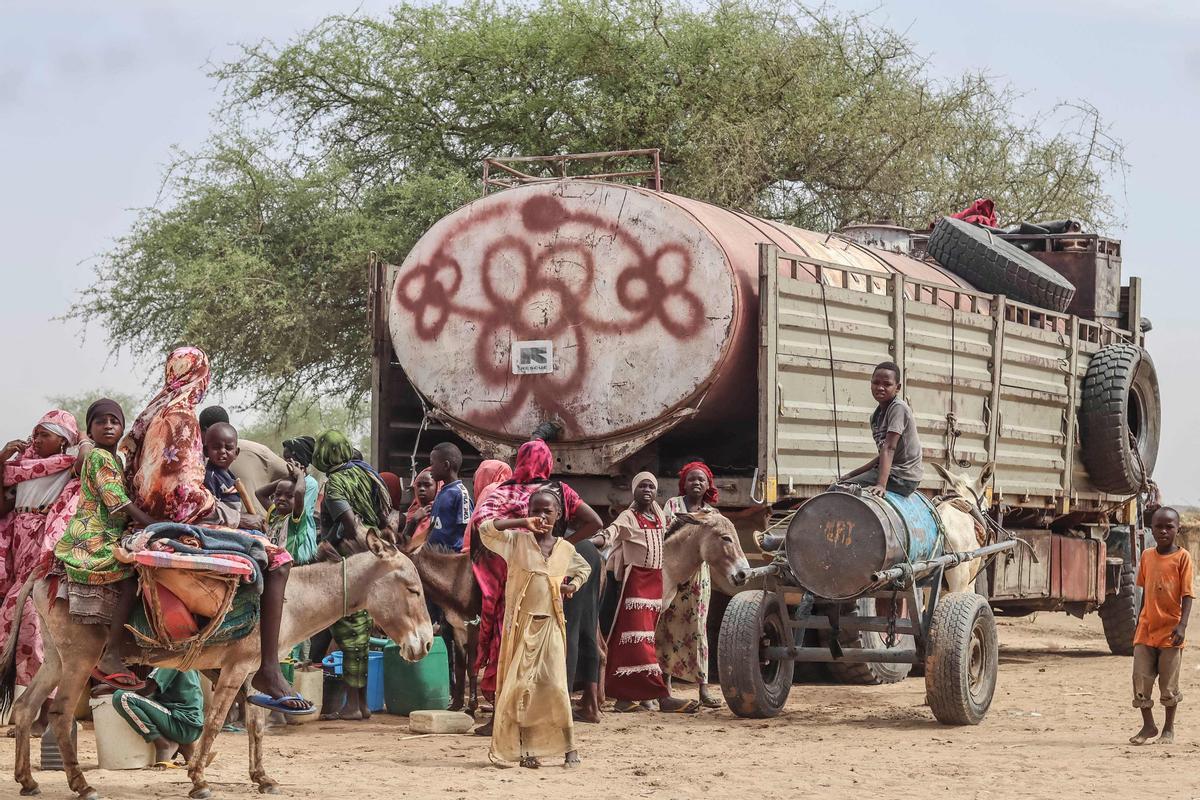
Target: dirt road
(1058, 729)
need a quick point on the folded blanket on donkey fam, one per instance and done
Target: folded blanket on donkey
(222, 550)
(188, 570)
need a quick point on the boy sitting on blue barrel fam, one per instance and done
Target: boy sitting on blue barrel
(898, 466)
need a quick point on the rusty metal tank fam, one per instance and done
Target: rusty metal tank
(839, 539)
(617, 311)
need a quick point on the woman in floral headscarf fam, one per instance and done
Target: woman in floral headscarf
(164, 467)
(44, 492)
(164, 457)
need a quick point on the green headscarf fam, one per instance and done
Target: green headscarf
(353, 481)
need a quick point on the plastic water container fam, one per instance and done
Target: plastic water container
(375, 675)
(416, 685)
(118, 745)
(310, 684)
(51, 752)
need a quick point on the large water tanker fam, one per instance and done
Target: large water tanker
(637, 329)
(619, 313)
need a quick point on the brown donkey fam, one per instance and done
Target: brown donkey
(450, 585)
(383, 581)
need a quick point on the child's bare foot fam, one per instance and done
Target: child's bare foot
(1148, 732)
(164, 750)
(572, 759)
(530, 762)
(1167, 737)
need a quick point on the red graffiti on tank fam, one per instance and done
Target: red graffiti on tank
(552, 293)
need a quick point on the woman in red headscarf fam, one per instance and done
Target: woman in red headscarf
(40, 493)
(511, 499)
(682, 633)
(488, 475)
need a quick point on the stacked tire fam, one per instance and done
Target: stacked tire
(991, 264)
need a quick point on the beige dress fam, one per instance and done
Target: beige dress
(533, 703)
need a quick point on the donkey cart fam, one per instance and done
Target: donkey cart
(842, 546)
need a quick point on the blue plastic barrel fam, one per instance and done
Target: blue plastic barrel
(333, 666)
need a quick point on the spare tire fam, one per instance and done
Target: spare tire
(1119, 419)
(993, 265)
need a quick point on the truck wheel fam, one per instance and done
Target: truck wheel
(1119, 613)
(961, 659)
(867, 674)
(1119, 402)
(993, 265)
(754, 687)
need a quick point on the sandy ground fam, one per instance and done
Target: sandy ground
(1058, 728)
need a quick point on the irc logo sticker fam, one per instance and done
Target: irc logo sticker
(533, 358)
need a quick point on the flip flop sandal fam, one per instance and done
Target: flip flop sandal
(279, 704)
(690, 707)
(165, 765)
(712, 702)
(132, 683)
(632, 708)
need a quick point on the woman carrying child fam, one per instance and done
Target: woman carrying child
(44, 494)
(166, 472)
(533, 702)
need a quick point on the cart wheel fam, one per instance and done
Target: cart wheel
(752, 686)
(961, 659)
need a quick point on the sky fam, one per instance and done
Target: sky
(94, 96)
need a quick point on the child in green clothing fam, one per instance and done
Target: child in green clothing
(168, 712)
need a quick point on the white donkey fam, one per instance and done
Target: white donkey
(963, 531)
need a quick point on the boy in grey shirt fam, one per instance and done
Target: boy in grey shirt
(898, 466)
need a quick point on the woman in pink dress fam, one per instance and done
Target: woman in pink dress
(40, 493)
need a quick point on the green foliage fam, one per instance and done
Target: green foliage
(307, 418)
(78, 404)
(377, 128)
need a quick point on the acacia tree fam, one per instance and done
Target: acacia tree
(377, 127)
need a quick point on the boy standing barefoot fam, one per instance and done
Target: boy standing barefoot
(1165, 575)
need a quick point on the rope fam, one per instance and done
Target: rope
(345, 591)
(412, 459)
(837, 444)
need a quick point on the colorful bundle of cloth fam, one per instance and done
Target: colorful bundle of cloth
(192, 575)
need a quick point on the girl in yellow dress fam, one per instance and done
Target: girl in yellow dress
(533, 702)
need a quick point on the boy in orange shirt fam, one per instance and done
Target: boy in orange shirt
(1165, 575)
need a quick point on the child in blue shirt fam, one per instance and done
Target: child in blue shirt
(452, 506)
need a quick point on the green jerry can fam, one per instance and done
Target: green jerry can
(416, 685)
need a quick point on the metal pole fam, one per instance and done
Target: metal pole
(920, 568)
(855, 656)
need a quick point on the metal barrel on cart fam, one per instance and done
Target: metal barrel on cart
(838, 540)
(844, 545)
